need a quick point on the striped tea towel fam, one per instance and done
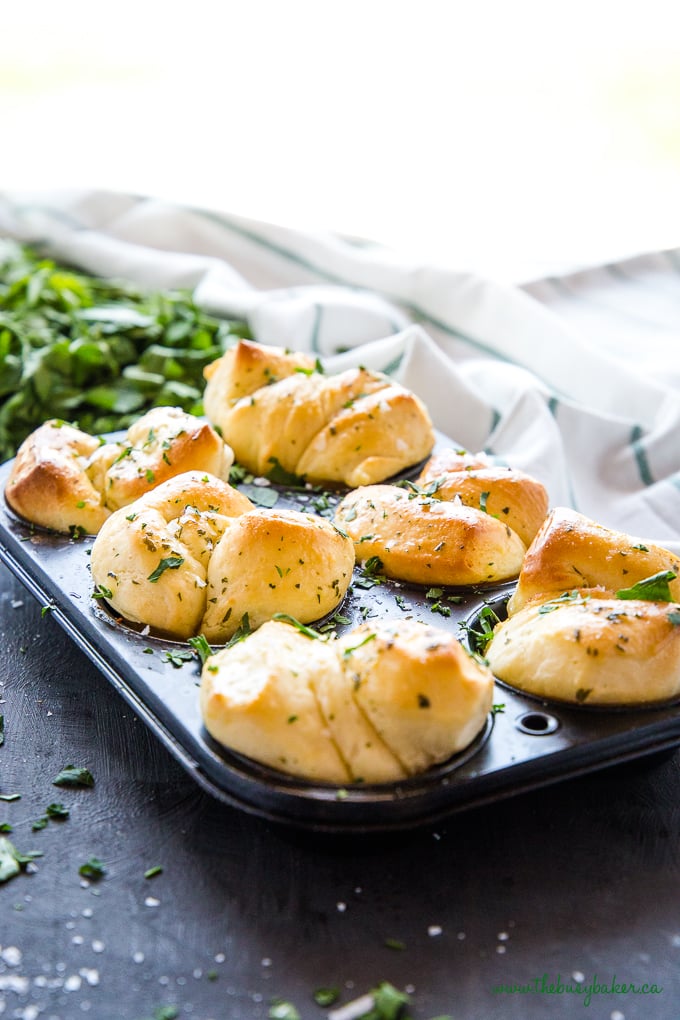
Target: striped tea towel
(575, 380)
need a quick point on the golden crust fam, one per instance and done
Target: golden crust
(276, 561)
(244, 368)
(425, 696)
(590, 648)
(572, 551)
(348, 428)
(195, 556)
(377, 436)
(389, 700)
(49, 484)
(512, 496)
(163, 443)
(428, 541)
(151, 558)
(64, 478)
(257, 698)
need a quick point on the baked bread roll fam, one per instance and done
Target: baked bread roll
(514, 497)
(588, 647)
(150, 559)
(353, 428)
(428, 541)
(273, 561)
(64, 479)
(380, 704)
(572, 551)
(49, 482)
(257, 698)
(194, 556)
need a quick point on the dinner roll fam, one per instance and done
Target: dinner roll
(512, 496)
(273, 561)
(384, 702)
(49, 484)
(194, 556)
(590, 648)
(425, 540)
(244, 368)
(425, 696)
(573, 551)
(64, 479)
(257, 698)
(164, 442)
(352, 428)
(150, 559)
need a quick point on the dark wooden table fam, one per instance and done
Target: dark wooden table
(578, 883)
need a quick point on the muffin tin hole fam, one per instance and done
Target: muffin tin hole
(537, 724)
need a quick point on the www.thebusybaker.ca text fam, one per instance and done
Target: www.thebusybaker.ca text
(555, 986)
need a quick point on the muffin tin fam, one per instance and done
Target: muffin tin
(526, 743)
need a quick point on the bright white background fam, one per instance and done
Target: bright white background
(516, 138)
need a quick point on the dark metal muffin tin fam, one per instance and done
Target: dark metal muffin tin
(526, 743)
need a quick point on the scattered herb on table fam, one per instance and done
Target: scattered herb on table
(326, 996)
(153, 872)
(282, 1010)
(11, 861)
(74, 775)
(93, 869)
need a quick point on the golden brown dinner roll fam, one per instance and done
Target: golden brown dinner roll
(194, 556)
(63, 478)
(512, 496)
(353, 428)
(164, 442)
(244, 368)
(272, 561)
(381, 704)
(150, 559)
(428, 541)
(590, 648)
(425, 696)
(48, 483)
(257, 698)
(573, 551)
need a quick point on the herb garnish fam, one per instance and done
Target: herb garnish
(282, 1010)
(11, 861)
(201, 647)
(93, 869)
(307, 631)
(168, 563)
(369, 637)
(653, 589)
(74, 775)
(280, 476)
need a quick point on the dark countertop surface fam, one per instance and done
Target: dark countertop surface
(576, 883)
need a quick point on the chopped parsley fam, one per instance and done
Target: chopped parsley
(11, 861)
(93, 869)
(201, 647)
(168, 563)
(282, 1010)
(653, 589)
(369, 637)
(307, 631)
(74, 775)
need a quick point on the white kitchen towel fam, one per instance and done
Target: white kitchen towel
(556, 378)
